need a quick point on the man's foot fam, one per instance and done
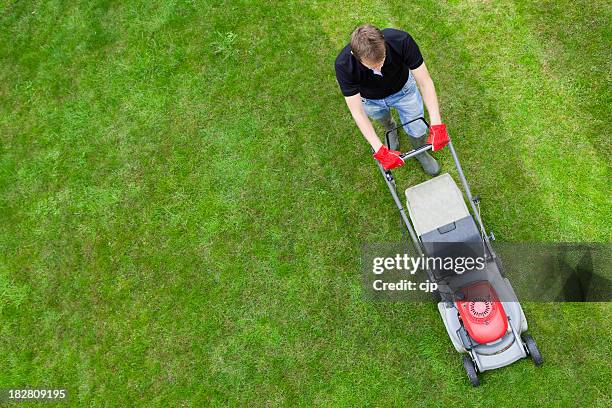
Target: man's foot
(389, 124)
(429, 164)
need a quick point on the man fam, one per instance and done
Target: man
(380, 70)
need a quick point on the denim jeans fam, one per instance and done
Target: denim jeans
(408, 103)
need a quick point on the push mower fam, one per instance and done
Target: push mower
(479, 308)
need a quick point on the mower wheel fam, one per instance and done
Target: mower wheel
(533, 350)
(470, 369)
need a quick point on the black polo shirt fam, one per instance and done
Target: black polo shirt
(403, 54)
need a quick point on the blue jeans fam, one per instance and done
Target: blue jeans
(408, 103)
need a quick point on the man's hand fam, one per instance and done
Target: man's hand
(389, 159)
(438, 137)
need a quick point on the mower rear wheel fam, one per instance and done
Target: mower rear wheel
(470, 369)
(533, 350)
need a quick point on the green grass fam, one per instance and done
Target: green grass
(184, 198)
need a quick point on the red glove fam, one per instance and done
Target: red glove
(389, 159)
(438, 137)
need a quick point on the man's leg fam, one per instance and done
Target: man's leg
(409, 104)
(378, 110)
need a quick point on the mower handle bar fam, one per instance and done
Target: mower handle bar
(413, 152)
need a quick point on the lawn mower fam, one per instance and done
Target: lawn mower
(479, 308)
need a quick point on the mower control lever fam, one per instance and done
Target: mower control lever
(414, 152)
(404, 124)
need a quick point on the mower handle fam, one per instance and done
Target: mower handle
(413, 152)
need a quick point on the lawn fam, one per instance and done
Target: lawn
(184, 198)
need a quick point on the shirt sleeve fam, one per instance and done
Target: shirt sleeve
(348, 85)
(412, 54)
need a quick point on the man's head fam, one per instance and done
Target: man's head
(368, 46)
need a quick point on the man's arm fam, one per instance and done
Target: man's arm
(362, 121)
(389, 159)
(426, 85)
